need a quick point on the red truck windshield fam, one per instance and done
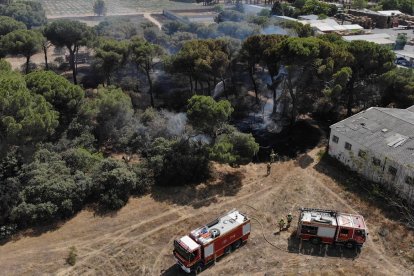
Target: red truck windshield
(182, 252)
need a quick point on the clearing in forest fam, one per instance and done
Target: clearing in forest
(137, 240)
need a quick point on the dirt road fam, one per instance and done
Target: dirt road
(138, 239)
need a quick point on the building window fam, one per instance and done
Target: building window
(392, 171)
(362, 153)
(348, 146)
(335, 139)
(409, 180)
(376, 161)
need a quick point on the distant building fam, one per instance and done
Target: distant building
(308, 17)
(381, 21)
(331, 26)
(390, 12)
(254, 9)
(379, 144)
(382, 39)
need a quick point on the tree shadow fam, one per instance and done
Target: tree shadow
(304, 161)
(320, 250)
(200, 195)
(34, 231)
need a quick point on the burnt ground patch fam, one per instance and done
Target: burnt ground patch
(292, 141)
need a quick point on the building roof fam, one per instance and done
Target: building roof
(404, 53)
(387, 132)
(308, 17)
(390, 12)
(330, 25)
(383, 39)
(248, 8)
(284, 18)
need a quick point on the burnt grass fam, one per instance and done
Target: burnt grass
(292, 141)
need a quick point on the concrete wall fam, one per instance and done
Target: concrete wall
(365, 166)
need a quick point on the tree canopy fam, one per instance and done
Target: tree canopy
(143, 55)
(99, 7)
(207, 115)
(111, 55)
(22, 42)
(9, 24)
(69, 34)
(29, 12)
(25, 117)
(64, 96)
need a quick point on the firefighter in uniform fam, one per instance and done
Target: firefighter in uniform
(289, 218)
(272, 156)
(268, 168)
(281, 225)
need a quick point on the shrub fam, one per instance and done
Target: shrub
(71, 259)
(7, 230)
(234, 148)
(178, 162)
(113, 183)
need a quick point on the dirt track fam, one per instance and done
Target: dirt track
(138, 239)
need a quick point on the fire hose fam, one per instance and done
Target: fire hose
(263, 233)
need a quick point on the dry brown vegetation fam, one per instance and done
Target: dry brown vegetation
(137, 240)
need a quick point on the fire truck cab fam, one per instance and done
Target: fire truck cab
(203, 245)
(331, 227)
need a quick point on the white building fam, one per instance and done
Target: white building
(379, 144)
(381, 39)
(329, 25)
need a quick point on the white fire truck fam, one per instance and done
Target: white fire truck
(203, 245)
(331, 227)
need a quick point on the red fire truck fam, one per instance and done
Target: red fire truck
(204, 244)
(331, 227)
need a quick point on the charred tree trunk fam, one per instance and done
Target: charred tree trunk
(147, 72)
(45, 53)
(191, 84)
(350, 102)
(224, 87)
(251, 73)
(27, 64)
(294, 103)
(72, 64)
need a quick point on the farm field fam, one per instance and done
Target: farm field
(62, 8)
(137, 240)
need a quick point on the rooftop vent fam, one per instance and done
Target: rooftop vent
(396, 140)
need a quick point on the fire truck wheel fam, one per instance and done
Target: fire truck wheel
(349, 245)
(198, 270)
(315, 241)
(236, 244)
(227, 250)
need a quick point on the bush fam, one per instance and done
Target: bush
(71, 259)
(178, 162)
(49, 190)
(113, 184)
(7, 230)
(234, 148)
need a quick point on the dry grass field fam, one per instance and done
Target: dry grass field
(62, 8)
(137, 240)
